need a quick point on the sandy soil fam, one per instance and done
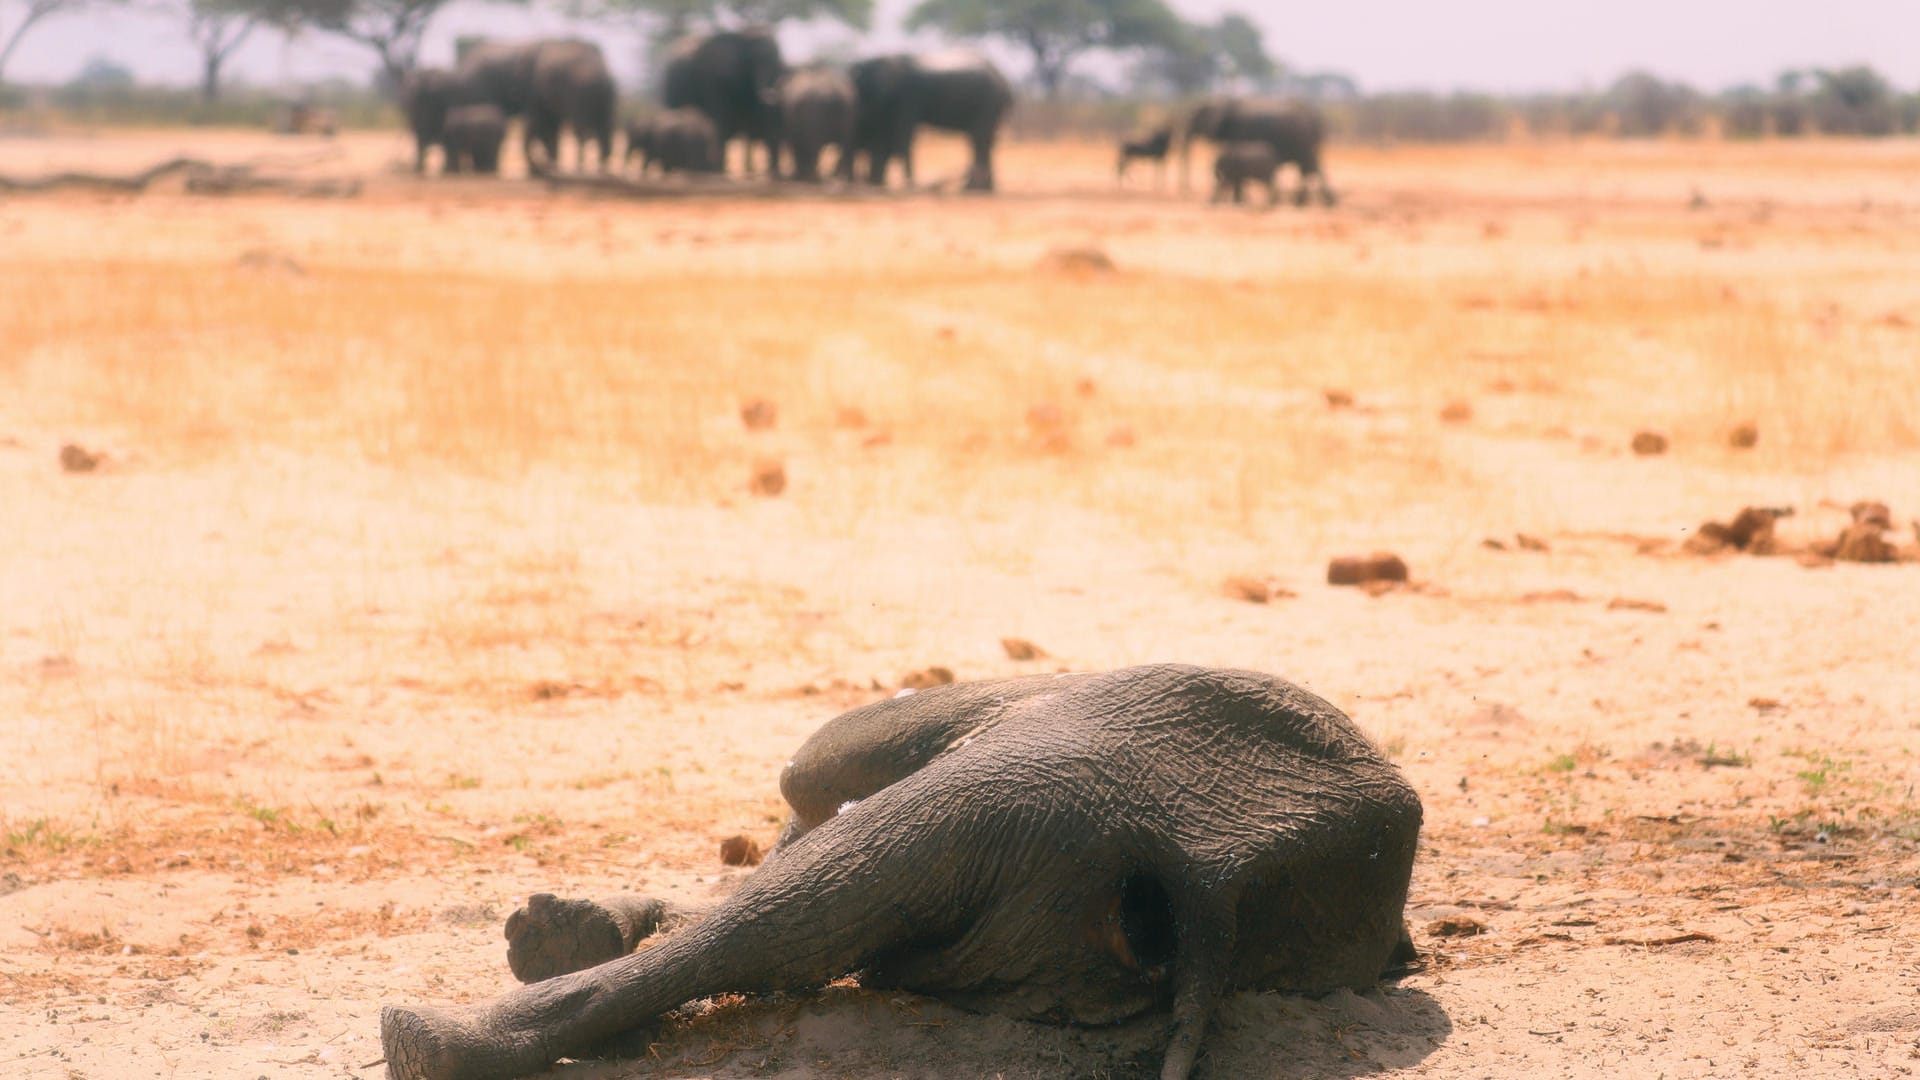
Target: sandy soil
(419, 571)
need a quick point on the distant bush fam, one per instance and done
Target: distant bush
(116, 103)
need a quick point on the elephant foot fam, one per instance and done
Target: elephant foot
(435, 1044)
(551, 936)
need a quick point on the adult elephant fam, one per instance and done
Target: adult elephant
(952, 89)
(1294, 130)
(426, 97)
(817, 110)
(733, 76)
(1074, 848)
(553, 83)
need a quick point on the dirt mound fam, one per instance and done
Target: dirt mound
(1078, 261)
(740, 850)
(76, 458)
(759, 414)
(927, 678)
(1022, 649)
(1750, 531)
(1649, 443)
(1744, 436)
(769, 478)
(1381, 566)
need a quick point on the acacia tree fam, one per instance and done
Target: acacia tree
(393, 29)
(32, 13)
(1055, 32)
(1197, 57)
(218, 27)
(672, 18)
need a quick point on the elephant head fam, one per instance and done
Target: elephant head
(1209, 120)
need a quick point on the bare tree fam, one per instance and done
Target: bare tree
(32, 13)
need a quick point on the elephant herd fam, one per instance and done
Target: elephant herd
(735, 84)
(716, 88)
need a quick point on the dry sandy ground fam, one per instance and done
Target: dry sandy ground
(420, 572)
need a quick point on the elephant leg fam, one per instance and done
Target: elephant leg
(420, 156)
(551, 936)
(980, 172)
(850, 897)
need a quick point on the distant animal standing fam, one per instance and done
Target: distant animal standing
(1243, 163)
(472, 138)
(553, 84)
(1151, 145)
(1294, 130)
(731, 76)
(1070, 848)
(952, 89)
(678, 140)
(817, 106)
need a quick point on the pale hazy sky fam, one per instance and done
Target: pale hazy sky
(1433, 44)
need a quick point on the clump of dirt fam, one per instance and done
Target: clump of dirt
(1022, 649)
(927, 678)
(1381, 566)
(1079, 261)
(1456, 412)
(1649, 443)
(1622, 603)
(1521, 541)
(1254, 590)
(740, 850)
(1456, 926)
(1744, 436)
(77, 459)
(1339, 399)
(759, 414)
(1865, 540)
(1750, 531)
(272, 262)
(769, 478)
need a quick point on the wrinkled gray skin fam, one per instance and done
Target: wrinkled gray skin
(426, 97)
(951, 89)
(1151, 144)
(1072, 848)
(817, 111)
(731, 76)
(553, 83)
(472, 137)
(1294, 130)
(1243, 163)
(678, 140)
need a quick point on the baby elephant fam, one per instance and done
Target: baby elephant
(1065, 848)
(678, 140)
(472, 137)
(1241, 163)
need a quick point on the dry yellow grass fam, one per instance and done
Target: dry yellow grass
(424, 549)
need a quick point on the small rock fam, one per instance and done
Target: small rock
(1622, 603)
(740, 850)
(1456, 926)
(1649, 443)
(76, 458)
(1493, 545)
(1381, 566)
(1763, 704)
(1457, 412)
(1339, 399)
(1744, 436)
(1529, 543)
(927, 678)
(1083, 261)
(769, 478)
(759, 414)
(1022, 649)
